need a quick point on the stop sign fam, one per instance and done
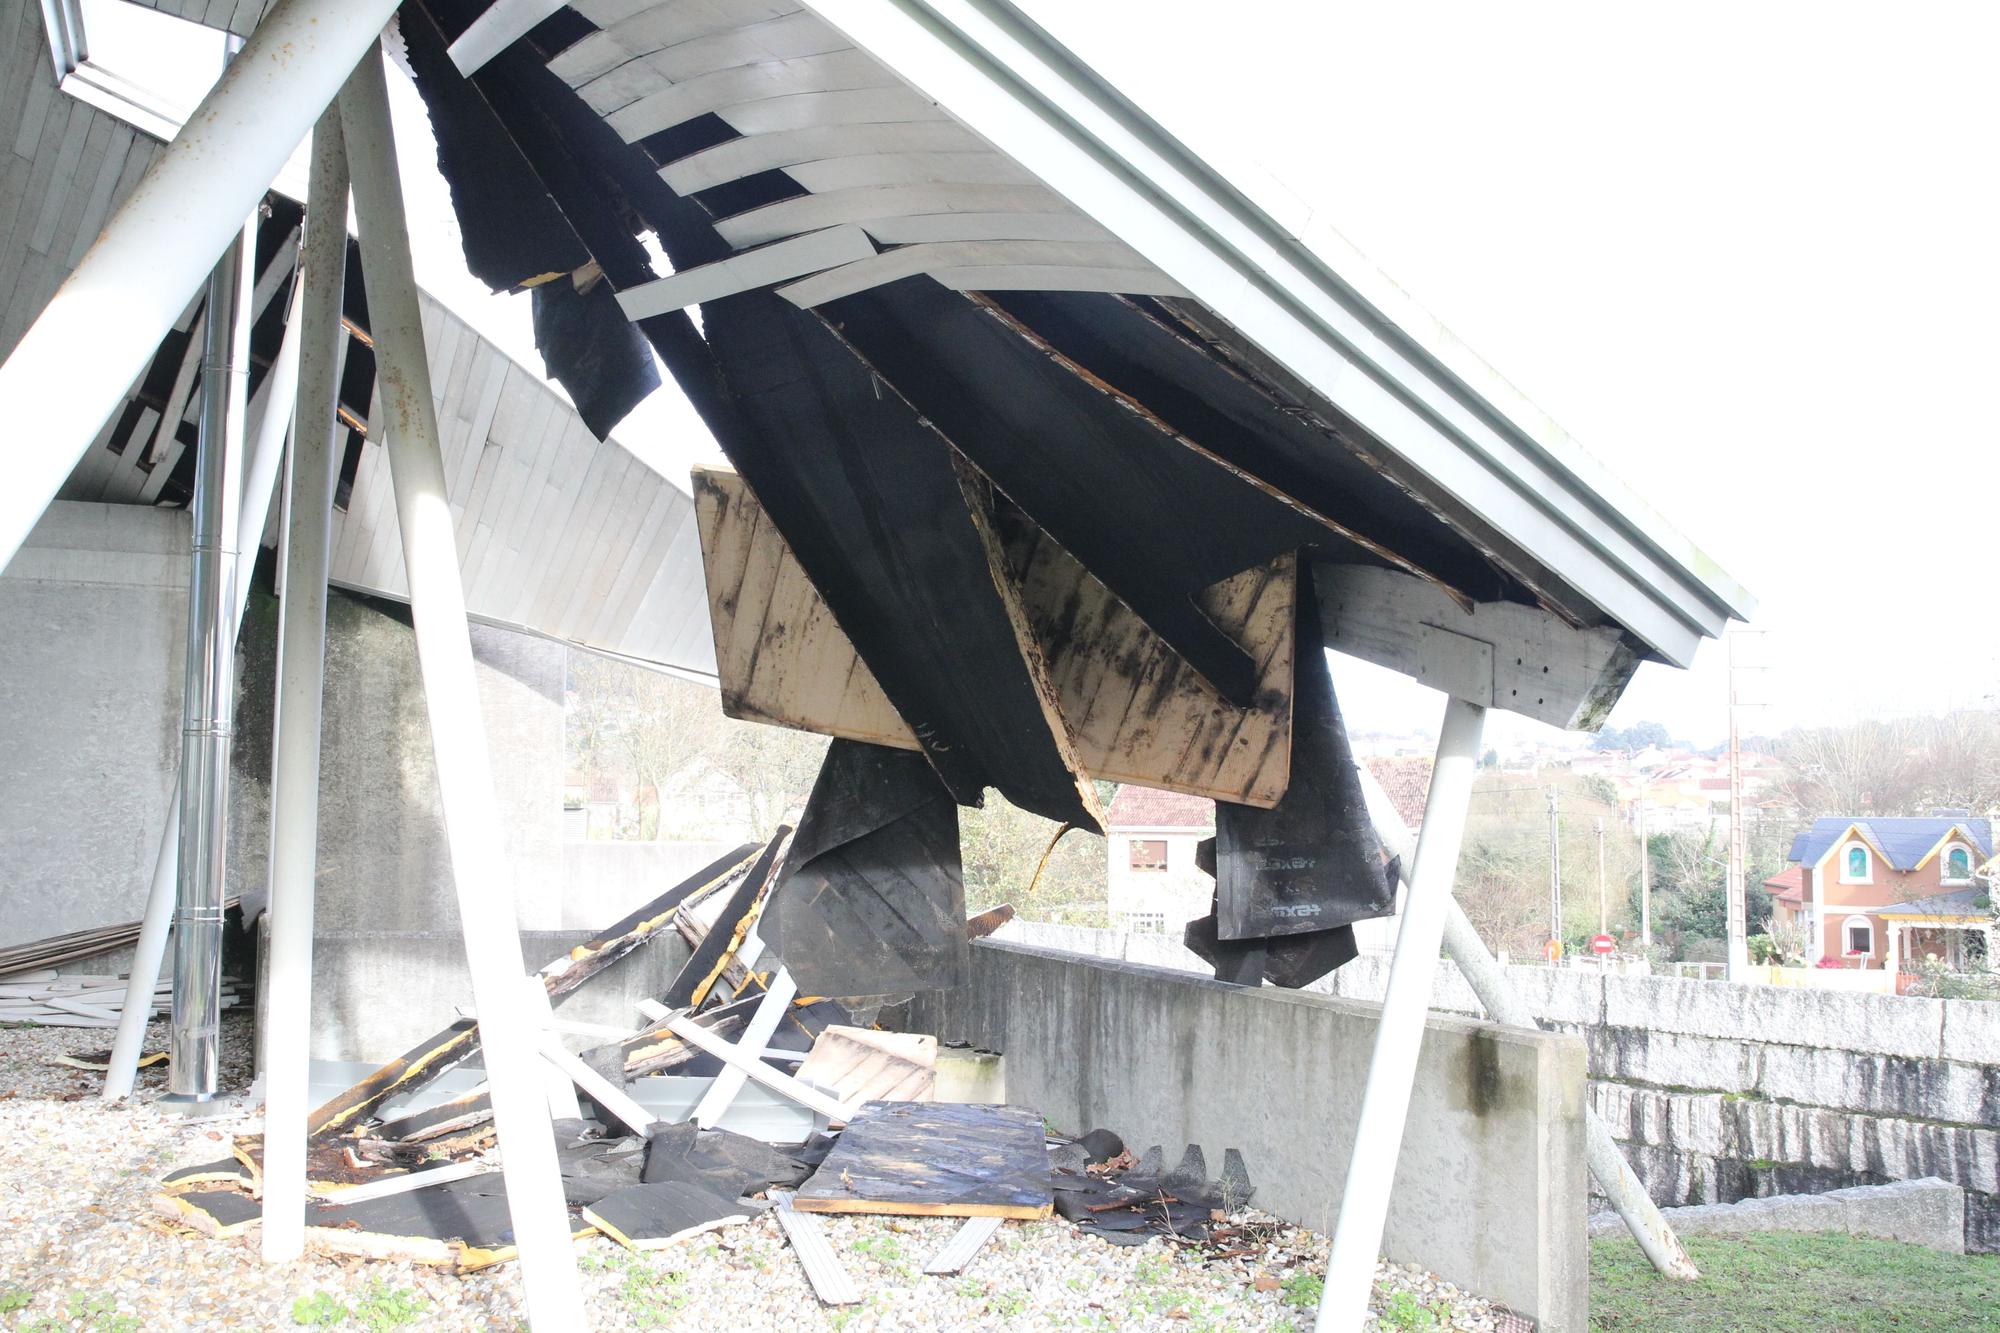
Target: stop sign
(1602, 944)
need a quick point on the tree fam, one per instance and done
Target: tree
(1002, 846)
(1503, 874)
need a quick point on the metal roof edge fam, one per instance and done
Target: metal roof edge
(1534, 484)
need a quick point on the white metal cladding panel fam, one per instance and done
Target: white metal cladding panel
(557, 533)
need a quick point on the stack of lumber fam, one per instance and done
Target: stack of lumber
(78, 1001)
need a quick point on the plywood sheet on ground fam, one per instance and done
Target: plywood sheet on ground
(1137, 711)
(935, 1159)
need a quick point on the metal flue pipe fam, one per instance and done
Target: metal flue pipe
(208, 707)
(149, 260)
(271, 411)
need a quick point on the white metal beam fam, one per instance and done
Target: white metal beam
(1399, 1035)
(311, 475)
(481, 875)
(112, 311)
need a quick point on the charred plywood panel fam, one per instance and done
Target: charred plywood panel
(1137, 711)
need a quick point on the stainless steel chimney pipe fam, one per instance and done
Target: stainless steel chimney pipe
(208, 707)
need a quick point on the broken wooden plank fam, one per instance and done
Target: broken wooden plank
(865, 1065)
(1137, 711)
(957, 1252)
(594, 955)
(868, 499)
(709, 961)
(829, 1277)
(935, 1159)
(406, 1073)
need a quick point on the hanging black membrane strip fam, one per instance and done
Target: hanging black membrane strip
(1150, 515)
(597, 355)
(1313, 861)
(1291, 961)
(872, 899)
(513, 233)
(867, 497)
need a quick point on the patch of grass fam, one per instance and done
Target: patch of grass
(319, 1310)
(653, 1297)
(1795, 1284)
(1407, 1314)
(1302, 1289)
(1284, 1326)
(888, 1252)
(15, 1298)
(384, 1307)
(1011, 1303)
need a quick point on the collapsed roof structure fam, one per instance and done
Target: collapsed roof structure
(1055, 458)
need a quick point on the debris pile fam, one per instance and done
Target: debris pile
(399, 1168)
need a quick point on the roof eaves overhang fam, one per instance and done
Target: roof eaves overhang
(1526, 490)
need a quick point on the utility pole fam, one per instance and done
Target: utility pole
(1555, 882)
(1645, 877)
(1603, 908)
(1739, 949)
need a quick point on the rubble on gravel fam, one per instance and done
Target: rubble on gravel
(80, 1244)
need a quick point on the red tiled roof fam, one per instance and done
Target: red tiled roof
(1149, 807)
(1407, 779)
(1788, 886)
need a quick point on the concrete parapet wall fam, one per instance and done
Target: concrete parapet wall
(1491, 1184)
(1721, 1092)
(1928, 1212)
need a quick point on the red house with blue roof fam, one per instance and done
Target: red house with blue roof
(1890, 892)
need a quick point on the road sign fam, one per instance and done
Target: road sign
(1554, 949)
(1602, 944)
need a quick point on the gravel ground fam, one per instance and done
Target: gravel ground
(80, 1248)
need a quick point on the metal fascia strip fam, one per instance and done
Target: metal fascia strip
(1032, 99)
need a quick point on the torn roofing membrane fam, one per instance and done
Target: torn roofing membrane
(989, 339)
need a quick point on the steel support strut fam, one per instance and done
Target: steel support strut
(1385, 1101)
(1488, 980)
(480, 873)
(112, 311)
(312, 471)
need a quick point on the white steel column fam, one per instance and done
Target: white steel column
(1385, 1101)
(480, 872)
(145, 266)
(311, 474)
(1488, 980)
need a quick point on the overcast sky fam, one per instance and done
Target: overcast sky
(1745, 254)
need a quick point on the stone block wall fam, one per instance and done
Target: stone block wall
(1722, 1092)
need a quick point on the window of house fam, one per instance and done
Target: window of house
(1958, 864)
(1854, 865)
(1148, 854)
(1858, 936)
(1146, 923)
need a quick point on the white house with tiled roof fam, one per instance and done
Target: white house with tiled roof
(1150, 837)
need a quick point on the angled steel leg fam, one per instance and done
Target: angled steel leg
(1385, 1102)
(480, 873)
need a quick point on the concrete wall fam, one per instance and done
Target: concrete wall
(1490, 1191)
(93, 618)
(92, 626)
(1723, 1092)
